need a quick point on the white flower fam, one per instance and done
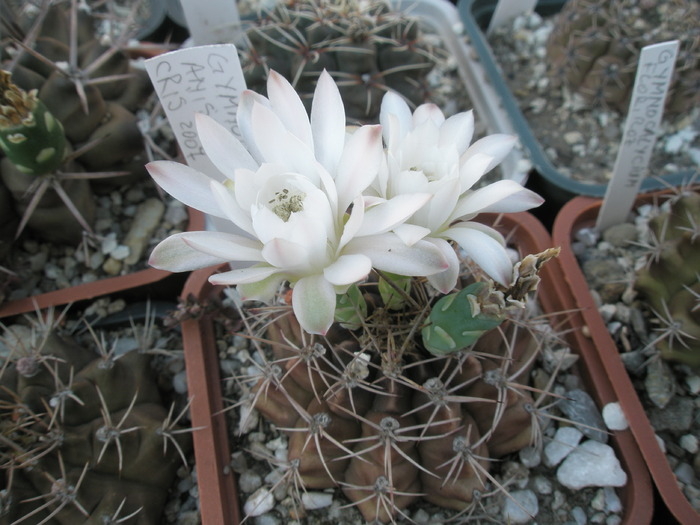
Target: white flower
(430, 154)
(295, 189)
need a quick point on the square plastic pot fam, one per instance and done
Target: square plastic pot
(546, 179)
(579, 213)
(217, 483)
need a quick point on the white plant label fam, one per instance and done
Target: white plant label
(506, 10)
(205, 79)
(212, 21)
(654, 72)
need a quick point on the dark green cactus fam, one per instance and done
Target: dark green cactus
(595, 44)
(84, 437)
(374, 412)
(30, 136)
(670, 281)
(367, 47)
(92, 90)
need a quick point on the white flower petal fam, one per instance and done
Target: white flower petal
(411, 233)
(359, 164)
(445, 198)
(457, 131)
(385, 216)
(473, 169)
(354, 222)
(445, 281)
(328, 122)
(278, 145)
(313, 301)
(252, 274)
(229, 205)
(174, 255)
(245, 121)
(391, 254)
(186, 185)
(222, 147)
(285, 254)
(348, 269)
(289, 108)
(497, 146)
(395, 118)
(226, 246)
(502, 196)
(428, 112)
(484, 249)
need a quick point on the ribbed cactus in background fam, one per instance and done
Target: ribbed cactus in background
(391, 415)
(595, 46)
(91, 91)
(84, 437)
(670, 281)
(366, 46)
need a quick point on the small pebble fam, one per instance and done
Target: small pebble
(689, 442)
(260, 502)
(316, 500)
(614, 417)
(565, 440)
(591, 464)
(523, 509)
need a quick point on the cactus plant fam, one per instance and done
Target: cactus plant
(85, 436)
(391, 414)
(670, 280)
(595, 46)
(366, 46)
(63, 74)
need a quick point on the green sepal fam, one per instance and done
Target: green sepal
(392, 299)
(35, 146)
(351, 308)
(452, 326)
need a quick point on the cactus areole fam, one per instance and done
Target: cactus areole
(31, 137)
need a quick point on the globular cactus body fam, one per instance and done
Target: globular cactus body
(375, 413)
(366, 46)
(83, 434)
(83, 96)
(595, 45)
(670, 281)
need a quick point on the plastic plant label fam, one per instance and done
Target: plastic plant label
(654, 72)
(506, 10)
(212, 21)
(205, 79)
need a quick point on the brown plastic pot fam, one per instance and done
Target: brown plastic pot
(100, 287)
(217, 485)
(579, 213)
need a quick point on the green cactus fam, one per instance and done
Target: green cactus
(595, 44)
(366, 46)
(84, 437)
(30, 135)
(670, 281)
(378, 412)
(66, 76)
